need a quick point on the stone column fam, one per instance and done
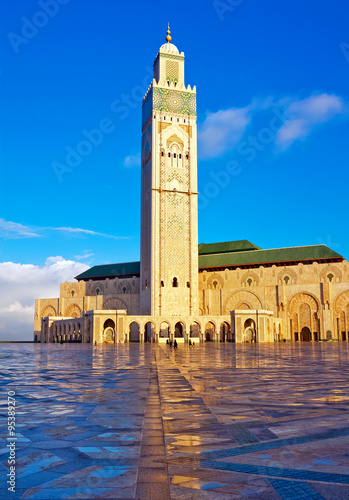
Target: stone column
(120, 326)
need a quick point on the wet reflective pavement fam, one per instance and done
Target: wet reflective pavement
(212, 421)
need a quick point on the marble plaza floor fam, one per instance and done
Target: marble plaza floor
(149, 422)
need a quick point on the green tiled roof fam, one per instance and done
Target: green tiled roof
(226, 246)
(128, 268)
(226, 254)
(277, 255)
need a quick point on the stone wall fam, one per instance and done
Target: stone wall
(314, 296)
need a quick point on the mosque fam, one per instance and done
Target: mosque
(224, 292)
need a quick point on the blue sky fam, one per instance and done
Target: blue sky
(272, 81)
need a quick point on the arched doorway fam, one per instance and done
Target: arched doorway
(134, 332)
(109, 331)
(224, 333)
(209, 332)
(195, 331)
(178, 333)
(305, 323)
(250, 334)
(164, 331)
(305, 334)
(149, 332)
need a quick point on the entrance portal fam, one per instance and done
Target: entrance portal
(134, 332)
(305, 334)
(209, 332)
(178, 330)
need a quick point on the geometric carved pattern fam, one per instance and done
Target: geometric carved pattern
(73, 311)
(173, 101)
(172, 71)
(174, 232)
(174, 139)
(303, 298)
(342, 301)
(48, 311)
(242, 297)
(243, 306)
(114, 304)
(305, 316)
(175, 175)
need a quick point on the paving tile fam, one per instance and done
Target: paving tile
(215, 422)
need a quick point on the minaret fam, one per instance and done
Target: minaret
(169, 220)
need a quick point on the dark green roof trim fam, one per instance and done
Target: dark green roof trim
(226, 246)
(125, 270)
(278, 256)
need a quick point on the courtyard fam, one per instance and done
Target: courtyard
(214, 421)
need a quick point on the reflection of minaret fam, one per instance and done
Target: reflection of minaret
(169, 229)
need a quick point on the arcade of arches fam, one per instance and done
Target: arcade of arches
(302, 318)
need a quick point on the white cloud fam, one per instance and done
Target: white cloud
(21, 284)
(78, 230)
(85, 255)
(305, 115)
(133, 160)
(221, 131)
(11, 230)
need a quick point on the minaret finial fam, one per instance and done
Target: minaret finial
(169, 37)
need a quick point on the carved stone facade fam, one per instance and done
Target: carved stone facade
(232, 291)
(169, 232)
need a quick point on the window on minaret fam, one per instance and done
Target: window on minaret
(175, 282)
(174, 155)
(188, 284)
(162, 283)
(169, 155)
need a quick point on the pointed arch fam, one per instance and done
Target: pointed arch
(242, 296)
(114, 303)
(73, 311)
(48, 311)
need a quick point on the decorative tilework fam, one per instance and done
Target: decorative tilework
(172, 56)
(173, 101)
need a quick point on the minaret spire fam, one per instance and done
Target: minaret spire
(169, 37)
(169, 234)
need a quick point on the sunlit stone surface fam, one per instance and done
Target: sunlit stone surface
(205, 422)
